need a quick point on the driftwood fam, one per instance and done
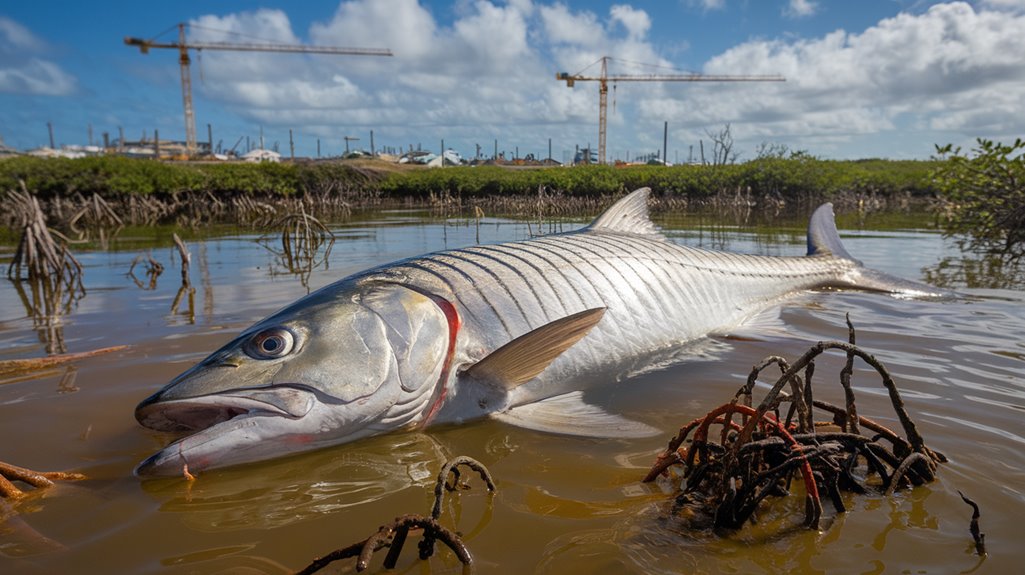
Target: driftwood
(9, 367)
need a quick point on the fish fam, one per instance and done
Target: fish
(514, 331)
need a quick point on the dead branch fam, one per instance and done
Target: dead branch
(18, 366)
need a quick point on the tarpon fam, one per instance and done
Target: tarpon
(511, 330)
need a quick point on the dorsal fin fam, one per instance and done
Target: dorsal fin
(628, 215)
(823, 239)
(523, 358)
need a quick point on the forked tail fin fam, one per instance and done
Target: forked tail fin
(823, 238)
(824, 241)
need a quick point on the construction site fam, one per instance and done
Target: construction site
(253, 148)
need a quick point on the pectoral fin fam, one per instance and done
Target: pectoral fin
(523, 358)
(567, 414)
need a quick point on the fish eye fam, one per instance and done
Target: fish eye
(270, 343)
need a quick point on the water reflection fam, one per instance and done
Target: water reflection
(303, 238)
(563, 505)
(988, 271)
(151, 271)
(282, 492)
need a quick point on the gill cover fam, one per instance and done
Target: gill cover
(418, 330)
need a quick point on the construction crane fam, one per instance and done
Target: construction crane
(603, 88)
(183, 48)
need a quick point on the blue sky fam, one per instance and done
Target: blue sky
(873, 78)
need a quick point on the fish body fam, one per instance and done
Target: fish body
(512, 330)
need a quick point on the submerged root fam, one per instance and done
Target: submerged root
(727, 475)
(37, 479)
(394, 534)
(303, 237)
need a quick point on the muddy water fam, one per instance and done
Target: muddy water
(564, 505)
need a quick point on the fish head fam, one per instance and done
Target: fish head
(352, 360)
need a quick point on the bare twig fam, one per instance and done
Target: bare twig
(441, 486)
(978, 536)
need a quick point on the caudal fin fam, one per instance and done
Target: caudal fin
(824, 241)
(823, 238)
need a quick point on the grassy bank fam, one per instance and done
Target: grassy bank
(786, 178)
(115, 190)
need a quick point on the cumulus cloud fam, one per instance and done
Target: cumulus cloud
(635, 21)
(489, 73)
(22, 70)
(709, 4)
(801, 8)
(951, 68)
(1018, 5)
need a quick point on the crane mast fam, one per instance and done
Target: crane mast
(184, 62)
(603, 88)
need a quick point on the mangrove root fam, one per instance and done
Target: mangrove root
(302, 237)
(37, 479)
(153, 269)
(394, 534)
(726, 476)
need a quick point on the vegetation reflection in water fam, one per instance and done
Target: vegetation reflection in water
(572, 506)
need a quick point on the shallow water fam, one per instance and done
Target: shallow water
(564, 504)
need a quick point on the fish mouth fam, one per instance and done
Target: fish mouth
(193, 414)
(220, 428)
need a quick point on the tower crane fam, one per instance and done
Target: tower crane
(184, 46)
(603, 88)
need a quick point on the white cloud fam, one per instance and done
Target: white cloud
(489, 73)
(709, 4)
(801, 8)
(22, 71)
(563, 26)
(945, 69)
(636, 22)
(1014, 5)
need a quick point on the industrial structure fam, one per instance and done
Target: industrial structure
(603, 88)
(183, 46)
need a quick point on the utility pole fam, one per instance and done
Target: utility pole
(347, 140)
(665, 143)
(49, 126)
(291, 145)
